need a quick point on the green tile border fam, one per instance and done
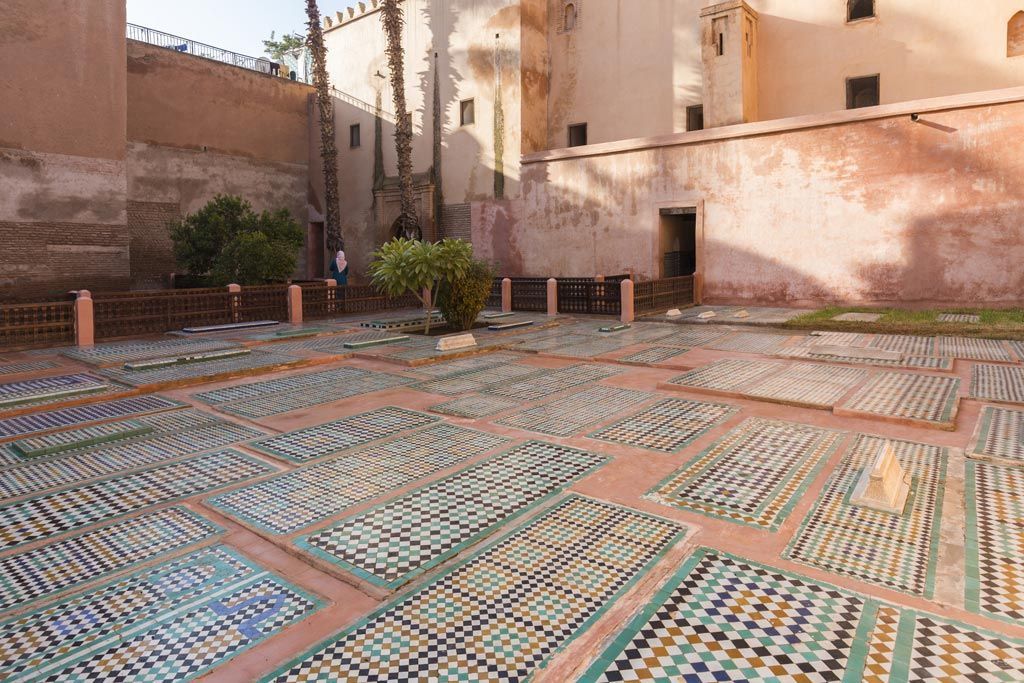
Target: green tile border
(600, 612)
(303, 544)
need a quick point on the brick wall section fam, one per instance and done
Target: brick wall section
(152, 251)
(46, 259)
(456, 222)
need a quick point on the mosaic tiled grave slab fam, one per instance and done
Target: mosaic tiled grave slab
(176, 434)
(310, 443)
(732, 375)
(28, 366)
(475, 406)
(589, 349)
(554, 381)
(834, 339)
(999, 383)
(122, 352)
(178, 373)
(553, 340)
(753, 475)
(995, 540)
(334, 345)
(73, 561)
(456, 367)
(667, 426)
(310, 381)
(723, 618)
(748, 342)
(477, 380)
(13, 394)
(57, 442)
(999, 436)
(652, 355)
(54, 513)
(907, 344)
(506, 610)
(894, 551)
(690, 337)
(402, 538)
(172, 622)
(808, 384)
(297, 499)
(1018, 348)
(925, 398)
(572, 414)
(79, 415)
(958, 318)
(925, 362)
(974, 349)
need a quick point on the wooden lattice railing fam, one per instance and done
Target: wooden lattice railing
(323, 301)
(50, 323)
(661, 295)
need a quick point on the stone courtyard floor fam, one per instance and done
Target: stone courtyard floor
(666, 502)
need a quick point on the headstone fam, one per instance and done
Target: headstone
(510, 326)
(674, 313)
(457, 341)
(883, 485)
(375, 342)
(707, 315)
(614, 328)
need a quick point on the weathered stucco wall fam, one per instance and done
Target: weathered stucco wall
(62, 145)
(846, 207)
(197, 128)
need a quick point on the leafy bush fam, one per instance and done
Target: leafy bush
(230, 243)
(403, 265)
(462, 299)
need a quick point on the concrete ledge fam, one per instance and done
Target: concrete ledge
(745, 130)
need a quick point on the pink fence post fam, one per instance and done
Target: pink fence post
(294, 304)
(627, 301)
(85, 324)
(236, 302)
(599, 278)
(552, 296)
(506, 295)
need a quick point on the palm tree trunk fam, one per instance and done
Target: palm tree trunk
(407, 225)
(328, 148)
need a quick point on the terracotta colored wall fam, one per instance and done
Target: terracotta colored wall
(847, 207)
(62, 146)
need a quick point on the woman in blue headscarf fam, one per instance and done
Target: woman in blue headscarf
(339, 269)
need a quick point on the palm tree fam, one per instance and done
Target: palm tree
(328, 149)
(406, 225)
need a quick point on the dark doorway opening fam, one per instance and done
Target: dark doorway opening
(316, 251)
(678, 240)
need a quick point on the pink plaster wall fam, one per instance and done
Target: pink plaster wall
(848, 207)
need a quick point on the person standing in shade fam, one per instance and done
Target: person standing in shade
(339, 269)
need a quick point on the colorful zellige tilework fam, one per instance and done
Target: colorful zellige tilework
(974, 349)
(57, 442)
(172, 622)
(397, 540)
(477, 380)
(79, 415)
(999, 383)
(190, 432)
(456, 367)
(31, 392)
(724, 618)
(30, 366)
(652, 355)
(315, 442)
(122, 352)
(748, 342)
(808, 384)
(731, 375)
(297, 499)
(958, 318)
(32, 519)
(667, 426)
(256, 359)
(753, 475)
(906, 344)
(502, 613)
(572, 414)
(475, 406)
(554, 381)
(927, 398)
(56, 566)
(995, 540)
(999, 436)
(894, 551)
(690, 337)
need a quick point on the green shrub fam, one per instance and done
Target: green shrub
(403, 265)
(227, 242)
(462, 299)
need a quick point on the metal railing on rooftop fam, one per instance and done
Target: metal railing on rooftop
(192, 47)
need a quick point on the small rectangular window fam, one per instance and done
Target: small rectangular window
(353, 135)
(862, 91)
(467, 113)
(577, 135)
(859, 9)
(695, 117)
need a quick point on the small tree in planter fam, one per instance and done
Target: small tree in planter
(462, 299)
(404, 265)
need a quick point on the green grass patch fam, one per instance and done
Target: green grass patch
(1005, 323)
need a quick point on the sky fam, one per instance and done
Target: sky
(235, 25)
